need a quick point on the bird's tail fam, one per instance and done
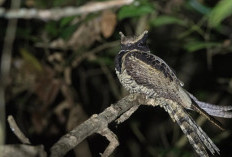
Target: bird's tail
(196, 136)
(211, 109)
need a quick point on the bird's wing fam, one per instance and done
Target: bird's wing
(196, 136)
(151, 72)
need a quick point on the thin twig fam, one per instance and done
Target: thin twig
(98, 49)
(5, 66)
(110, 78)
(112, 138)
(15, 129)
(57, 13)
(22, 150)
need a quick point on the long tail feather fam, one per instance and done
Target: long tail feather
(209, 106)
(213, 110)
(209, 117)
(222, 114)
(196, 136)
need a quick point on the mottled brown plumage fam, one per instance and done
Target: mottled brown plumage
(141, 72)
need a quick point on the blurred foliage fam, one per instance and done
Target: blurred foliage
(135, 10)
(220, 12)
(63, 71)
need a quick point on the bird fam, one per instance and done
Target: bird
(142, 72)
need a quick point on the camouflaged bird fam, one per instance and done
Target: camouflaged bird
(139, 71)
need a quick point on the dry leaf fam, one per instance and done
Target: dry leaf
(85, 35)
(89, 32)
(108, 23)
(47, 87)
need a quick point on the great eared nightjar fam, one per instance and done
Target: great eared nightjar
(142, 72)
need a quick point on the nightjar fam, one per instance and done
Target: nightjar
(140, 71)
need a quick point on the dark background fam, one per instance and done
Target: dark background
(62, 72)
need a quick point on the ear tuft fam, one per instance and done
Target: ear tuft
(133, 39)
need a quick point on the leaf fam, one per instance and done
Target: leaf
(32, 60)
(68, 31)
(222, 10)
(165, 20)
(133, 11)
(57, 3)
(197, 45)
(52, 29)
(65, 21)
(108, 23)
(105, 60)
(198, 6)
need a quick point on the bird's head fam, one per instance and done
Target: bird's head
(135, 42)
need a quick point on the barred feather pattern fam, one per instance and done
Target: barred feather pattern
(196, 136)
(139, 71)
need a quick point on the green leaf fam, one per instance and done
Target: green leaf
(222, 10)
(165, 20)
(65, 21)
(104, 60)
(67, 32)
(58, 3)
(28, 57)
(198, 6)
(133, 11)
(52, 29)
(197, 45)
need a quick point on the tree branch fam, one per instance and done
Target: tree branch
(22, 150)
(95, 124)
(5, 66)
(57, 13)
